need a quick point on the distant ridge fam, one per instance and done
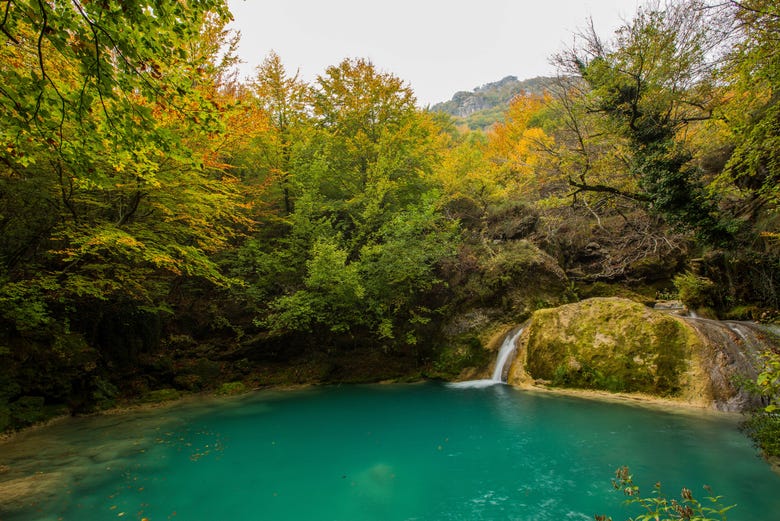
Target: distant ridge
(485, 105)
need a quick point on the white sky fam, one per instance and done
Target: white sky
(438, 47)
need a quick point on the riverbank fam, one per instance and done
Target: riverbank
(638, 399)
(130, 406)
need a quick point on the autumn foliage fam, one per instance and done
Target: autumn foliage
(150, 199)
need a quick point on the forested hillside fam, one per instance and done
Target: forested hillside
(165, 227)
(486, 105)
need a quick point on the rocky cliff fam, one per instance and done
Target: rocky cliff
(486, 104)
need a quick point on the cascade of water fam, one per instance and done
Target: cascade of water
(504, 353)
(504, 357)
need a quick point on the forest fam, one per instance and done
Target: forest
(168, 227)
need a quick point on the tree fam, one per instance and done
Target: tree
(753, 72)
(365, 234)
(465, 171)
(516, 146)
(285, 101)
(112, 51)
(372, 153)
(648, 86)
(111, 188)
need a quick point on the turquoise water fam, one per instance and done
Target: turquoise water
(397, 452)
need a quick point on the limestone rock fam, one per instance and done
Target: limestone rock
(619, 345)
(608, 343)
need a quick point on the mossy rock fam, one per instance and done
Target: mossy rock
(512, 221)
(232, 388)
(611, 344)
(605, 289)
(502, 284)
(161, 395)
(464, 355)
(515, 277)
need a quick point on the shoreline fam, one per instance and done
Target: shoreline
(140, 406)
(636, 399)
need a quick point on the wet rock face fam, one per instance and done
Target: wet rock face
(731, 354)
(619, 345)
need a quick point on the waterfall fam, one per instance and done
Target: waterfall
(505, 355)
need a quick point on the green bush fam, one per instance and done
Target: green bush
(161, 395)
(695, 292)
(232, 388)
(27, 410)
(764, 429)
(763, 425)
(743, 313)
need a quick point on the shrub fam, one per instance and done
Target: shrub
(27, 410)
(695, 291)
(764, 429)
(660, 507)
(763, 425)
(232, 388)
(161, 395)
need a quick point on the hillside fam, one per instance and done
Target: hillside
(485, 105)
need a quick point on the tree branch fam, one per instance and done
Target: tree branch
(5, 19)
(584, 187)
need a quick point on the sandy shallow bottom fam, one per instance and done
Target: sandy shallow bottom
(643, 400)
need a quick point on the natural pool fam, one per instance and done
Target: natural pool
(389, 452)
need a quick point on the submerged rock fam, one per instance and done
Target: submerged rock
(619, 345)
(29, 491)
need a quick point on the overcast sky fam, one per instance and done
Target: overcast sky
(437, 46)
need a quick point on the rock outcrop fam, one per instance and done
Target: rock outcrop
(619, 345)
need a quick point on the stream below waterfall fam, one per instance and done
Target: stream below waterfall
(378, 452)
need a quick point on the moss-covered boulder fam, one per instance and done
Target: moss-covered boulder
(610, 344)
